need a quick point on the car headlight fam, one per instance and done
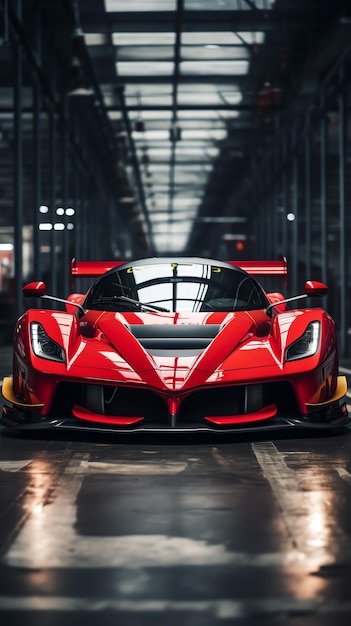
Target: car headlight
(307, 345)
(43, 346)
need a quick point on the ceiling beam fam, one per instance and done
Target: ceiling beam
(197, 21)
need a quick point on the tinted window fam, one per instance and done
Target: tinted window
(188, 287)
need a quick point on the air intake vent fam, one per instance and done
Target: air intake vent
(174, 339)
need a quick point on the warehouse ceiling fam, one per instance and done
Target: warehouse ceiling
(186, 91)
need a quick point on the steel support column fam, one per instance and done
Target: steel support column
(37, 103)
(342, 106)
(86, 245)
(323, 190)
(77, 216)
(276, 195)
(37, 177)
(295, 211)
(285, 203)
(308, 197)
(268, 210)
(18, 169)
(260, 198)
(65, 233)
(52, 212)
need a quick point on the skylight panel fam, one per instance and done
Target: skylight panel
(220, 68)
(115, 115)
(151, 135)
(159, 189)
(206, 88)
(227, 114)
(198, 98)
(220, 38)
(205, 114)
(155, 89)
(202, 152)
(143, 39)
(173, 227)
(210, 133)
(210, 95)
(162, 178)
(190, 209)
(251, 37)
(186, 202)
(166, 244)
(160, 217)
(214, 53)
(225, 5)
(163, 68)
(156, 154)
(200, 171)
(187, 177)
(162, 202)
(151, 115)
(154, 54)
(161, 168)
(149, 101)
(192, 123)
(140, 142)
(96, 39)
(180, 203)
(140, 5)
(230, 97)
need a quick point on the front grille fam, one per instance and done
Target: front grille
(217, 401)
(135, 402)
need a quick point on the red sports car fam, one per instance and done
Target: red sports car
(181, 344)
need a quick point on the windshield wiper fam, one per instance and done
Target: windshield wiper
(140, 305)
(144, 305)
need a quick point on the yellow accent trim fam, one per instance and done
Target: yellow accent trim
(340, 392)
(9, 395)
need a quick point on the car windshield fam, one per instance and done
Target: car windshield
(177, 287)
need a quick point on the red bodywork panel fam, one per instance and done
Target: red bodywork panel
(100, 347)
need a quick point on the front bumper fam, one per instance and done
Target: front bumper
(335, 418)
(201, 414)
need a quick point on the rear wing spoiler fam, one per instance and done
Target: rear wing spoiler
(256, 268)
(91, 268)
(264, 268)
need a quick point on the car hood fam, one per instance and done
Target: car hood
(176, 349)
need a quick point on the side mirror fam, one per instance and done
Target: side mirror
(34, 290)
(38, 290)
(312, 288)
(315, 288)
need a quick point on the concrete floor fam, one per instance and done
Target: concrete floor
(168, 530)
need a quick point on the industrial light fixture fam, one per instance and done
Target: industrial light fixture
(139, 126)
(77, 81)
(175, 133)
(80, 91)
